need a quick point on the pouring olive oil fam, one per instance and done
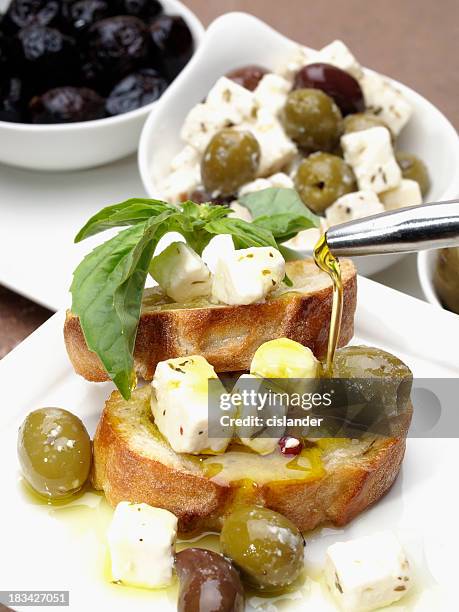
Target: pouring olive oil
(326, 262)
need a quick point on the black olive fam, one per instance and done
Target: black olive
(46, 57)
(248, 76)
(172, 44)
(79, 16)
(12, 100)
(135, 90)
(336, 83)
(23, 13)
(66, 105)
(145, 9)
(117, 46)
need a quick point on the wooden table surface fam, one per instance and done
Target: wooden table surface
(414, 41)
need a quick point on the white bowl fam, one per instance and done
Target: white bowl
(72, 146)
(236, 39)
(426, 270)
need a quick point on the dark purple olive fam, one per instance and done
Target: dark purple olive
(12, 100)
(117, 46)
(23, 13)
(67, 105)
(201, 196)
(336, 83)
(144, 9)
(79, 16)
(248, 76)
(172, 44)
(46, 57)
(135, 90)
(208, 582)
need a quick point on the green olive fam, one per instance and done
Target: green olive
(361, 121)
(368, 362)
(321, 179)
(265, 546)
(446, 278)
(230, 160)
(312, 119)
(415, 169)
(54, 452)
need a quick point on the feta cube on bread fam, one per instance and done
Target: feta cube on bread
(337, 54)
(370, 154)
(353, 206)
(141, 540)
(367, 573)
(247, 275)
(181, 273)
(271, 92)
(408, 193)
(181, 404)
(217, 247)
(385, 101)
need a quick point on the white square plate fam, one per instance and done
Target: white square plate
(41, 550)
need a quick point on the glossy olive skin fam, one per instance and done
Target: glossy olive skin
(135, 90)
(321, 179)
(81, 15)
(361, 121)
(248, 76)
(312, 119)
(265, 546)
(67, 105)
(208, 581)
(336, 83)
(446, 278)
(415, 169)
(172, 44)
(23, 13)
(368, 362)
(12, 100)
(54, 452)
(144, 9)
(230, 160)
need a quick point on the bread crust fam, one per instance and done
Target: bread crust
(228, 336)
(344, 491)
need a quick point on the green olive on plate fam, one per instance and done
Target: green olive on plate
(415, 169)
(265, 546)
(230, 160)
(321, 179)
(54, 452)
(446, 278)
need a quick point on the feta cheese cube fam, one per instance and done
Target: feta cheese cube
(299, 57)
(353, 206)
(180, 183)
(240, 212)
(408, 193)
(371, 156)
(141, 541)
(166, 240)
(180, 405)
(277, 150)
(385, 101)
(248, 275)
(284, 358)
(217, 247)
(305, 240)
(280, 180)
(271, 93)
(368, 573)
(201, 124)
(234, 102)
(337, 54)
(181, 273)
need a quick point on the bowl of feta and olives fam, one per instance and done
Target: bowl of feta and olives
(79, 77)
(270, 113)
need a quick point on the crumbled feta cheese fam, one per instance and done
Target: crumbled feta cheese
(234, 102)
(181, 405)
(247, 275)
(284, 358)
(370, 154)
(385, 101)
(141, 540)
(201, 124)
(408, 193)
(299, 57)
(180, 183)
(280, 179)
(218, 246)
(353, 206)
(181, 273)
(368, 573)
(337, 54)
(188, 156)
(271, 92)
(240, 212)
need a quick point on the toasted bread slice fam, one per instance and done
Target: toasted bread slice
(227, 336)
(133, 462)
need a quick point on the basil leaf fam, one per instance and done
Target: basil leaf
(275, 201)
(130, 212)
(284, 226)
(244, 234)
(107, 294)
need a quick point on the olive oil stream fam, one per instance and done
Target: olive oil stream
(329, 264)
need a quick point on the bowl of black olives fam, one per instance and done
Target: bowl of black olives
(79, 77)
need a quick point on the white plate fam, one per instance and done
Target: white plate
(428, 134)
(41, 551)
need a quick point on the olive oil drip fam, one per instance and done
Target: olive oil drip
(329, 264)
